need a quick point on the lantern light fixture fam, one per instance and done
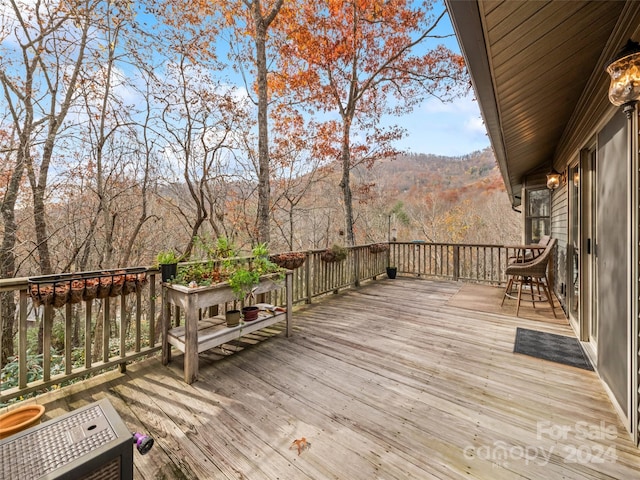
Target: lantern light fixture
(554, 179)
(624, 70)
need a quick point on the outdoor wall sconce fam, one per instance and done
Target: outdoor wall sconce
(624, 70)
(554, 179)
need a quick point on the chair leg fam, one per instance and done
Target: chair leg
(531, 282)
(545, 287)
(522, 280)
(507, 290)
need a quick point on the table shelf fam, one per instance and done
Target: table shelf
(213, 331)
(198, 335)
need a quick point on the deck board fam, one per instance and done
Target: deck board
(392, 381)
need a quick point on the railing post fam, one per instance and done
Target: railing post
(22, 341)
(88, 354)
(123, 332)
(166, 319)
(309, 278)
(152, 311)
(456, 262)
(356, 266)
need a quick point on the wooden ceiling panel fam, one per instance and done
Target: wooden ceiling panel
(542, 55)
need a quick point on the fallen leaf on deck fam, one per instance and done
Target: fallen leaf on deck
(301, 445)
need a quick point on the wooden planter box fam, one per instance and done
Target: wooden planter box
(198, 335)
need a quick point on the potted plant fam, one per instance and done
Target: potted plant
(167, 260)
(243, 279)
(392, 272)
(232, 317)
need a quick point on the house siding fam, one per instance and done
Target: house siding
(559, 231)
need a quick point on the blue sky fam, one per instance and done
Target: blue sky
(449, 129)
(434, 127)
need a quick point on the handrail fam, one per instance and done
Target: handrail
(131, 329)
(454, 261)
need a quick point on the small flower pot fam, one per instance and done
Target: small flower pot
(232, 317)
(20, 419)
(391, 272)
(168, 271)
(250, 313)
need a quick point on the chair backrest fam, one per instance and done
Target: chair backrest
(535, 267)
(544, 240)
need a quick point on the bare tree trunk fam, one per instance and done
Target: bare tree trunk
(54, 122)
(8, 261)
(345, 183)
(262, 24)
(264, 188)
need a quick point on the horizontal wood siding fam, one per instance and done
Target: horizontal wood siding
(560, 231)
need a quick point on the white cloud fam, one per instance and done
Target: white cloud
(450, 129)
(462, 105)
(475, 124)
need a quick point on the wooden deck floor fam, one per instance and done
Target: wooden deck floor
(389, 381)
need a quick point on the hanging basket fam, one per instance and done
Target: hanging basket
(58, 290)
(378, 247)
(133, 282)
(331, 257)
(290, 261)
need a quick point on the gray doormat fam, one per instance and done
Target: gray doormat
(549, 346)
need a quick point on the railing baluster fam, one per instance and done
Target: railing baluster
(22, 339)
(46, 342)
(151, 317)
(138, 337)
(456, 262)
(68, 338)
(88, 307)
(123, 329)
(106, 328)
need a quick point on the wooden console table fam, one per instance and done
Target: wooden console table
(198, 335)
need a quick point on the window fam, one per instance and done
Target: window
(537, 222)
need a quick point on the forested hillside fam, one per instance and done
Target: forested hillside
(441, 199)
(437, 199)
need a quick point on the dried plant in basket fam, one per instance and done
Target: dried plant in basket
(104, 287)
(335, 254)
(117, 284)
(290, 261)
(378, 247)
(133, 282)
(52, 294)
(90, 289)
(77, 291)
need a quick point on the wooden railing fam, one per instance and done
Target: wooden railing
(55, 344)
(472, 263)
